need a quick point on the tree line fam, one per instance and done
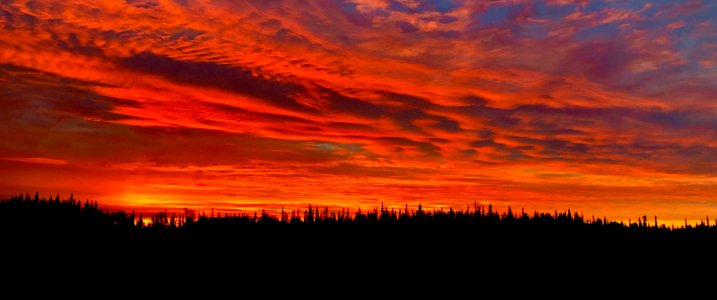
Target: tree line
(25, 215)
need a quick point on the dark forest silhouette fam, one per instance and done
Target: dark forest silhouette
(68, 236)
(27, 217)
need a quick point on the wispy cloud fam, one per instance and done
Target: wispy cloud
(36, 160)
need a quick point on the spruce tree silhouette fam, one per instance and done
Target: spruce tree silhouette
(27, 218)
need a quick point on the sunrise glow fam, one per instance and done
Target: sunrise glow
(603, 107)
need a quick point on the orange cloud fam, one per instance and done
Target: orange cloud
(36, 160)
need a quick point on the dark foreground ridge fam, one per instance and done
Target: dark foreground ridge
(71, 233)
(60, 235)
(35, 218)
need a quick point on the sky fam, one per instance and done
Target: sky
(603, 107)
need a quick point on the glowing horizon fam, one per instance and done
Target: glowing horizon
(602, 107)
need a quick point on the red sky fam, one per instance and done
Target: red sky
(605, 107)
